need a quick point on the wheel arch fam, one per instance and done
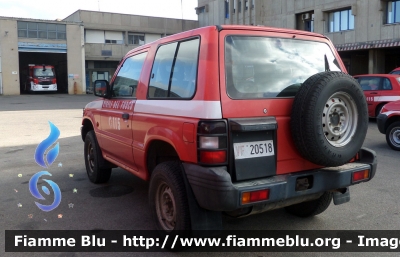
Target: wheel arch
(390, 121)
(159, 150)
(87, 126)
(378, 108)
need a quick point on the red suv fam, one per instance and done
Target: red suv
(233, 119)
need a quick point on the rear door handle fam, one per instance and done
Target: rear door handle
(125, 116)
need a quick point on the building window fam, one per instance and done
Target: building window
(246, 5)
(240, 6)
(341, 20)
(113, 37)
(252, 4)
(226, 9)
(105, 64)
(41, 30)
(305, 21)
(393, 13)
(135, 39)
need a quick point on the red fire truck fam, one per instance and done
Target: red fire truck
(40, 78)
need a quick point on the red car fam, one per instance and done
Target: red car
(395, 71)
(388, 122)
(379, 89)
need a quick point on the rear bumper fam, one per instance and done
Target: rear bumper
(214, 190)
(381, 121)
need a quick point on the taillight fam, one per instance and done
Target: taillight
(212, 141)
(212, 156)
(360, 175)
(53, 81)
(255, 196)
(35, 81)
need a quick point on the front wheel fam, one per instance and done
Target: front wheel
(393, 135)
(93, 160)
(167, 198)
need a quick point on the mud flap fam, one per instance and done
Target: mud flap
(201, 219)
(340, 198)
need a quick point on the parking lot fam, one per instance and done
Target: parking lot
(122, 202)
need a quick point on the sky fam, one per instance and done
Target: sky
(60, 9)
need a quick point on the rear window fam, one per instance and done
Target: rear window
(261, 67)
(40, 72)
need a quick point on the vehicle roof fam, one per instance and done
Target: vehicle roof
(228, 27)
(398, 68)
(379, 75)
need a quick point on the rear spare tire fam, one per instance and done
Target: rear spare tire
(329, 119)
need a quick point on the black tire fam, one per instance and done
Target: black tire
(167, 198)
(94, 160)
(311, 208)
(393, 135)
(329, 118)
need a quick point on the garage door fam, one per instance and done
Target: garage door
(42, 47)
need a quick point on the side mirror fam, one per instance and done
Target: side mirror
(101, 88)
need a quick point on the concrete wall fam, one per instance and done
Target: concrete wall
(150, 26)
(131, 23)
(76, 61)
(370, 17)
(9, 57)
(215, 13)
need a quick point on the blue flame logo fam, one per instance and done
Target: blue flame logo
(50, 157)
(35, 192)
(52, 153)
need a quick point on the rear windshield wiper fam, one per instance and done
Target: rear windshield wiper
(326, 63)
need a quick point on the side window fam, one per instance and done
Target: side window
(175, 70)
(369, 83)
(161, 72)
(126, 82)
(386, 84)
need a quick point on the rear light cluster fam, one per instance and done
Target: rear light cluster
(361, 175)
(212, 142)
(255, 196)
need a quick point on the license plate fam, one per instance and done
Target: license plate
(253, 149)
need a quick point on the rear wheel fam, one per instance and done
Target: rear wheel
(94, 159)
(311, 208)
(393, 135)
(167, 198)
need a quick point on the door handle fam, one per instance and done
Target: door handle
(125, 116)
(373, 93)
